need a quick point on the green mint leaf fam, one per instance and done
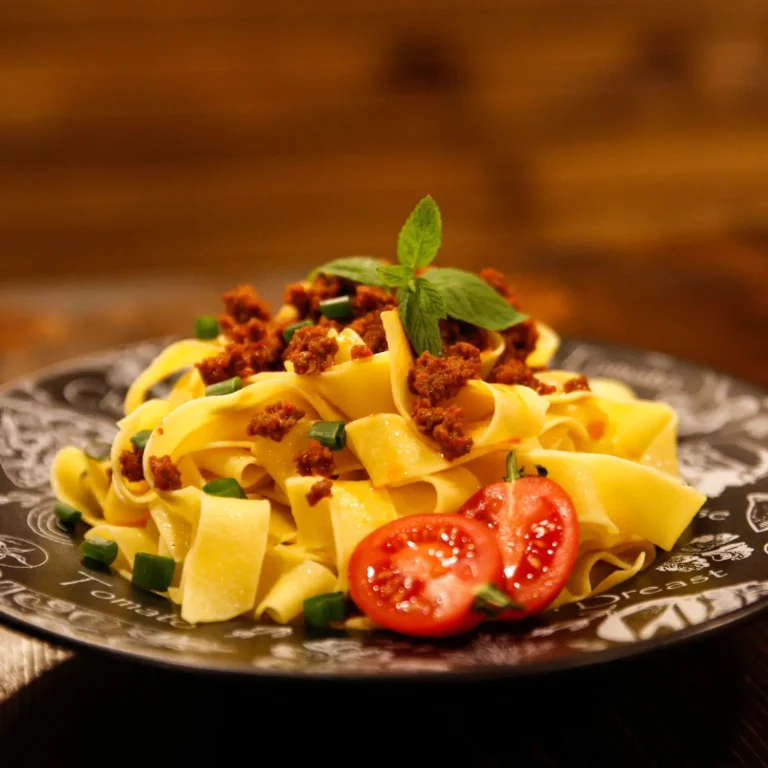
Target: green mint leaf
(421, 327)
(420, 236)
(395, 277)
(469, 298)
(430, 299)
(361, 269)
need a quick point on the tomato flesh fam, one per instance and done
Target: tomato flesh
(537, 532)
(419, 574)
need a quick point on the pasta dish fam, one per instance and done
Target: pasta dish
(390, 449)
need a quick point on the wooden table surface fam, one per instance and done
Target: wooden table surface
(701, 704)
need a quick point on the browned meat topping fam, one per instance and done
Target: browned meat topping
(441, 378)
(454, 331)
(520, 340)
(360, 352)
(434, 379)
(319, 490)
(165, 473)
(371, 331)
(243, 303)
(275, 421)
(306, 299)
(311, 351)
(499, 282)
(242, 333)
(444, 425)
(578, 384)
(130, 464)
(315, 460)
(516, 372)
(243, 359)
(369, 299)
(255, 341)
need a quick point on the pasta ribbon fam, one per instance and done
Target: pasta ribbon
(285, 601)
(221, 571)
(172, 359)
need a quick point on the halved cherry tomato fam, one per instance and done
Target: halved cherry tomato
(420, 574)
(537, 532)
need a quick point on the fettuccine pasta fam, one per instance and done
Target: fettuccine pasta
(287, 441)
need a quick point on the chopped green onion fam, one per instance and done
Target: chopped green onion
(332, 434)
(289, 330)
(322, 610)
(513, 471)
(489, 599)
(101, 550)
(337, 308)
(140, 439)
(224, 387)
(226, 486)
(97, 451)
(67, 514)
(206, 327)
(542, 471)
(153, 571)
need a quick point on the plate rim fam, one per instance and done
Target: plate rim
(486, 672)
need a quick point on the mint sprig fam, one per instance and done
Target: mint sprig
(421, 235)
(419, 315)
(439, 293)
(360, 269)
(421, 303)
(469, 298)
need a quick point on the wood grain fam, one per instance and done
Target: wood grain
(149, 137)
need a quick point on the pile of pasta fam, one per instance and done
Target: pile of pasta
(263, 556)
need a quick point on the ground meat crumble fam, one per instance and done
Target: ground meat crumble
(306, 298)
(441, 378)
(360, 352)
(517, 372)
(434, 379)
(165, 473)
(311, 351)
(577, 384)
(255, 341)
(316, 459)
(243, 360)
(319, 490)
(444, 425)
(131, 464)
(275, 421)
(243, 303)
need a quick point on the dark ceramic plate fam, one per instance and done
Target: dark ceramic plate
(717, 574)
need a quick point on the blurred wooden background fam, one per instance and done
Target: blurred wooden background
(613, 154)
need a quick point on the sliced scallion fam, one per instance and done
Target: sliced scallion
(206, 327)
(140, 439)
(224, 387)
(332, 434)
(322, 610)
(67, 514)
(225, 486)
(101, 550)
(289, 330)
(153, 572)
(337, 308)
